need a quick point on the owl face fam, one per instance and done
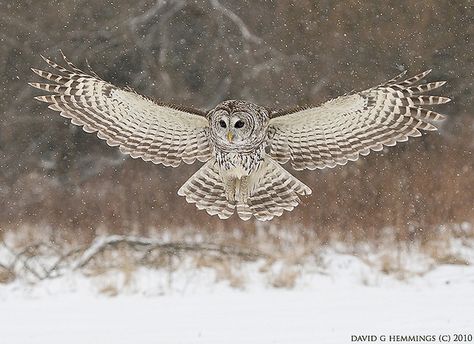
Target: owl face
(234, 127)
(238, 124)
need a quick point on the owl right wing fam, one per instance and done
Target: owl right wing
(154, 132)
(346, 127)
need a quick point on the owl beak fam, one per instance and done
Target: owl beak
(230, 136)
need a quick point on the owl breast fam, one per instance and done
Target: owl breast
(240, 164)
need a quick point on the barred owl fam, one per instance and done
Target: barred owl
(243, 145)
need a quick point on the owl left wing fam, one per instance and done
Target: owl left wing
(346, 127)
(154, 132)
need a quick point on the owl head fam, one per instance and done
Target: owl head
(238, 125)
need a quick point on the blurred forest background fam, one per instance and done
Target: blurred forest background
(56, 179)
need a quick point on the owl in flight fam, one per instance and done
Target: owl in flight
(243, 145)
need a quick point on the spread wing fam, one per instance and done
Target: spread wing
(158, 133)
(352, 125)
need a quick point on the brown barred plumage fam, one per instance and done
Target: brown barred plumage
(141, 128)
(243, 143)
(346, 127)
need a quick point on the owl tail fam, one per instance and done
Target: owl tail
(273, 190)
(206, 190)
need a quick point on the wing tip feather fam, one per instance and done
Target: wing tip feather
(43, 99)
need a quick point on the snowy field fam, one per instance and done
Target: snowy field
(328, 304)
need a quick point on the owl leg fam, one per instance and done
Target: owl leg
(242, 193)
(229, 187)
(244, 189)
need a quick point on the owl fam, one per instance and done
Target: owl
(243, 145)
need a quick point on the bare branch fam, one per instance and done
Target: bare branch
(237, 21)
(100, 244)
(43, 261)
(143, 18)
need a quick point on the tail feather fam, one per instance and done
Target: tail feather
(205, 188)
(244, 211)
(272, 191)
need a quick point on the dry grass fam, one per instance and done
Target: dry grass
(289, 257)
(6, 276)
(286, 277)
(442, 253)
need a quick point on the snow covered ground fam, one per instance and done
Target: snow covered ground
(330, 302)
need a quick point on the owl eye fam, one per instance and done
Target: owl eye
(222, 123)
(239, 124)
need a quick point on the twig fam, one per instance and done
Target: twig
(100, 244)
(237, 21)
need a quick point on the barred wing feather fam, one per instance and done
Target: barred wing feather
(158, 133)
(344, 128)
